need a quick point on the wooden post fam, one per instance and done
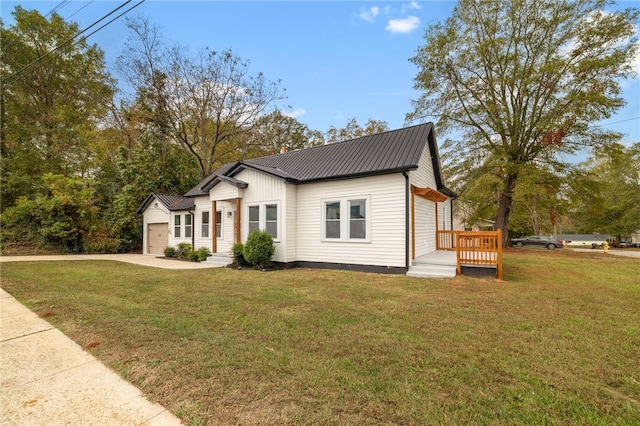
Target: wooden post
(236, 225)
(437, 239)
(214, 229)
(413, 224)
(499, 260)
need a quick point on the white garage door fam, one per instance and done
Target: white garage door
(157, 238)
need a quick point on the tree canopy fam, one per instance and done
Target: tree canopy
(51, 103)
(519, 82)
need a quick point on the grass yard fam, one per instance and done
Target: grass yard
(557, 342)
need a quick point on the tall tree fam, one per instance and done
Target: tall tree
(524, 80)
(51, 101)
(605, 191)
(208, 102)
(354, 130)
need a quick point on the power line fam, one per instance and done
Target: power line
(617, 122)
(70, 16)
(39, 61)
(58, 7)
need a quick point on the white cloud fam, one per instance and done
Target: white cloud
(370, 14)
(403, 26)
(298, 112)
(412, 5)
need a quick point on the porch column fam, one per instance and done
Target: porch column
(236, 225)
(214, 229)
(437, 239)
(413, 224)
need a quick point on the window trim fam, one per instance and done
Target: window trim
(345, 219)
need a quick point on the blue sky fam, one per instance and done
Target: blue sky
(337, 59)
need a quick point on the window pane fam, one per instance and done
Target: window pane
(272, 212)
(272, 228)
(333, 210)
(219, 224)
(253, 225)
(332, 229)
(254, 214)
(176, 220)
(187, 219)
(357, 209)
(357, 228)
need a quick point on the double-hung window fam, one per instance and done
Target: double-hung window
(357, 219)
(176, 226)
(254, 218)
(332, 219)
(205, 225)
(264, 216)
(346, 219)
(219, 224)
(187, 225)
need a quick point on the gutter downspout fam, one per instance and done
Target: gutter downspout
(406, 223)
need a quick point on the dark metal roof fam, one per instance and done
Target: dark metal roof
(388, 152)
(169, 201)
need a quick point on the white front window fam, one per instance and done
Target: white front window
(204, 233)
(346, 219)
(264, 216)
(187, 226)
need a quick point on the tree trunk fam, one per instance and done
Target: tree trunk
(505, 199)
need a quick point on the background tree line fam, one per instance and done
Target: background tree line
(81, 149)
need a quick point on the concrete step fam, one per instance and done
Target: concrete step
(219, 259)
(432, 271)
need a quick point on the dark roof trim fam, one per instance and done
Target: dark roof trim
(169, 201)
(357, 175)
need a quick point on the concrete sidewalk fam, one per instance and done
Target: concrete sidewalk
(47, 379)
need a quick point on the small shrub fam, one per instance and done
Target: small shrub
(183, 250)
(203, 253)
(192, 256)
(237, 252)
(259, 248)
(169, 252)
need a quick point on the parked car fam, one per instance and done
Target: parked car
(538, 240)
(634, 245)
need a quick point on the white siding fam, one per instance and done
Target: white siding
(290, 222)
(153, 215)
(224, 191)
(387, 210)
(424, 176)
(425, 225)
(263, 188)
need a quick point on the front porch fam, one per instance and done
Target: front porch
(473, 253)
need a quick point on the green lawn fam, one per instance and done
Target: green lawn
(556, 342)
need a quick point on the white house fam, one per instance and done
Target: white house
(372, 203)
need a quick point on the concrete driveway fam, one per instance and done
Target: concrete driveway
(138, 259)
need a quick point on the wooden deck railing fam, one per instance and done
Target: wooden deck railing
(473, 247)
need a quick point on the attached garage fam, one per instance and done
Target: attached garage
(157, 238)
